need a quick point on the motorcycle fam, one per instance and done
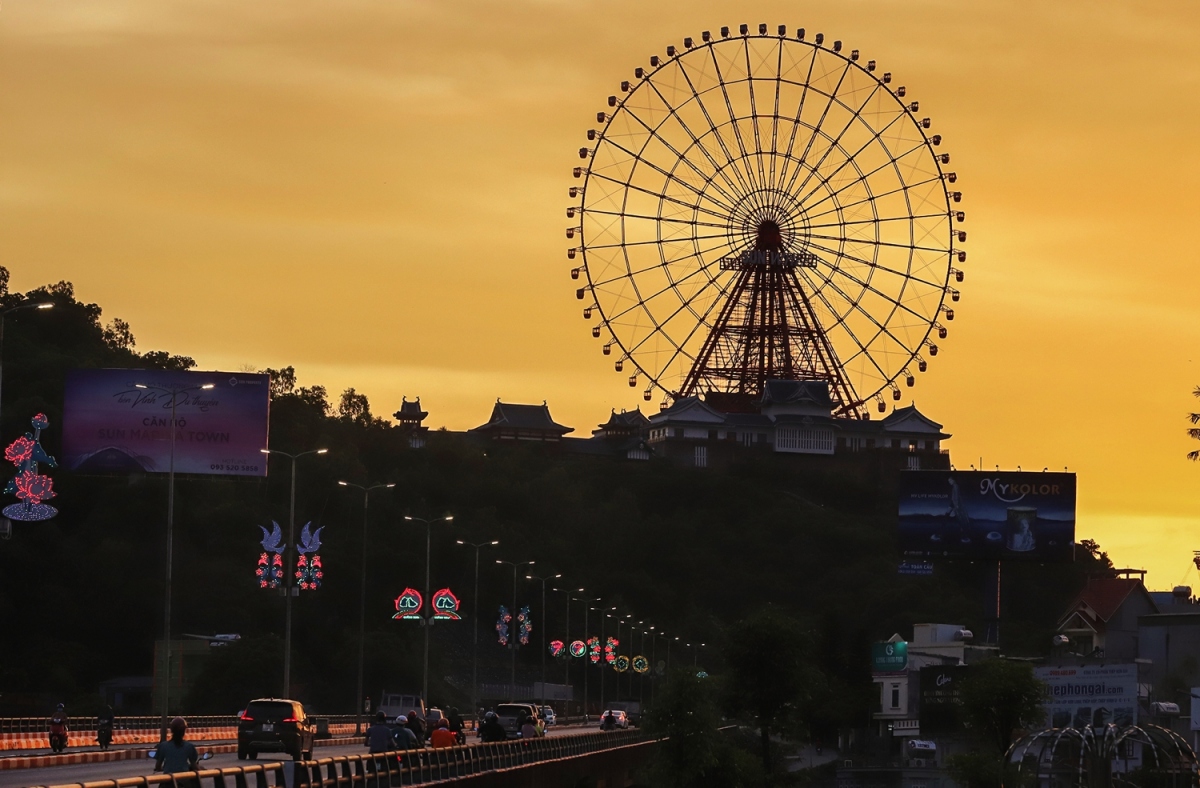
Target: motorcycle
(58, 741)
(104, 734)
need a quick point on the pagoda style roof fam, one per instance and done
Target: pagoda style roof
(626, 420)
(410, 411)
(792, 392)
(508, 417)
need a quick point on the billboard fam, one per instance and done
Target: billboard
(1079, 695)
(987, 515)
(941, 699)
(889, 657)
(119, 420)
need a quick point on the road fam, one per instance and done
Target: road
(64, 775)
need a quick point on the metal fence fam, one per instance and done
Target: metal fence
(390, 769)
(42, 724)
(413, 767)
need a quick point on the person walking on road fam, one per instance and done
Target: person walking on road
(176, 755)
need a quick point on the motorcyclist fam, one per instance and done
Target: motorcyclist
(457, 726)
(610, 722)
(105, 722)
(416, 725)
(59, 727)
(492, 729)
(176, 755)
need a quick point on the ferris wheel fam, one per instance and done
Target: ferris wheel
(760, 207)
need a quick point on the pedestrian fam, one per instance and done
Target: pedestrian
(176, 755)
(442, 736)
(379, 735)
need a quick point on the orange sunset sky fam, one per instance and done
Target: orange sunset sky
(374, 192)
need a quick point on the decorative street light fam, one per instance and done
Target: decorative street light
(174, 392)
(427, 621)
(287, 563)
(512, 636)
(475, 623)
(567, 630)
(3, 313)
(362, 600)
(587, 657)
(545, 618)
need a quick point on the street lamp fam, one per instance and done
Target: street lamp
(567, 630)
(545, 618)
(512, 636)
(475, 623)
(587, 657)
(427, 621)
(695, 647)
(362, 599)
(3, 313)
(287, 563)
(174, 392)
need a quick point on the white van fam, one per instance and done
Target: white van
(399, 704)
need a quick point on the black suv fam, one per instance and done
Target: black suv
(273, 725)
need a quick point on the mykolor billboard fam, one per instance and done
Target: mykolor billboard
(976, 514)
(119, 420)
(1079, 695)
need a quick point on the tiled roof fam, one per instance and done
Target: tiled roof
(626, 418)
(506, 415)
(1104, 595)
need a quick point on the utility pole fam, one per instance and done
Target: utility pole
(475, 624)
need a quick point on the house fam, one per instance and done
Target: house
(411, 419)
(1102, 621)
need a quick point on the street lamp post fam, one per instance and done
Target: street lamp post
(427, 621)
(567, 631)
(362, 600)
(586, 656)
(3, 314)
(174, 392)
(475, 623)
(512, 635)
(545, 617)
(287, 563)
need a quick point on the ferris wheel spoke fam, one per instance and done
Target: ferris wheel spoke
(738, 188)
(874, 139)
(816, 127)
(775, 114)
(681, 157)
(653, 166)
(940, 215)
(839, 207)
(658, 195)
(888, 244)
(864, 177)
(737, 131)
(632, 273)
(796, 125)
(762, 175)
(866, 285)
(841, 323)
(701, 321)
(874, 264)
(667, 219)
(655, 242)
(836, 142)
(746, 188)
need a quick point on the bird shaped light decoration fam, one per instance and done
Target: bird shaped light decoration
(270, 561)
(309, 572)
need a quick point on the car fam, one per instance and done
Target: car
(275, 725)
(548, 716)
(622, 719)
(510, 716)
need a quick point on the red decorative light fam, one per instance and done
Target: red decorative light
(19, 450)
(556, 648)
(445, 605)
(408, 604)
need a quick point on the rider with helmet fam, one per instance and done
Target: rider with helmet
(176, 755)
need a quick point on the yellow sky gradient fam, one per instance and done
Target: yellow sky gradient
(374, 192)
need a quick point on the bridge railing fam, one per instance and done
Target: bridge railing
(392, 769)
(413, 767)
(143, 723)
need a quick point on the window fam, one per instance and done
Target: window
(712, 435)
(679, 432)
(895, 443)
(914, 463)
(747, 438)
(895, 696)
(701, 456)
(731, 435)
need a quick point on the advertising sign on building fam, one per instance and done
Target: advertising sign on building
(889, 657)
(1195, 708)
(119, 420)
(1079, 695)
(941, 701)
(987, 515)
